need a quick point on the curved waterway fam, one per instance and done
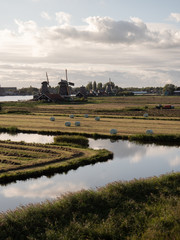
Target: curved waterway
(130, 161)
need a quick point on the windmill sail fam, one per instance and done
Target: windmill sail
(47, 78)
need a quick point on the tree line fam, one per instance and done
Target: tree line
(168, 89)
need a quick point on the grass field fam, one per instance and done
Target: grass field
(19, 160)
(145, 209)
(123, 113)
(89, 125)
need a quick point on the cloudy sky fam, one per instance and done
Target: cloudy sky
(134, 42)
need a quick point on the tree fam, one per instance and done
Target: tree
(99, 86)
(169, 89)
(94, 86)
(89, 86)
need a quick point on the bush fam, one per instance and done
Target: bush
(70, 139)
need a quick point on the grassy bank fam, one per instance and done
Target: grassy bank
(20, 161)
(73, 140)
(158, 139)
(140, 209)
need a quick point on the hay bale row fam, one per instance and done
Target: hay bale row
(68, 124)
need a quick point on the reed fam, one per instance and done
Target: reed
(138, 210)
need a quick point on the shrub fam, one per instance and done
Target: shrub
(70, 139)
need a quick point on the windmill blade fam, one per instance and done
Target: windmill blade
(47, 78)
(71, 84)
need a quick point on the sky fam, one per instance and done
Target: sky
(135, 43)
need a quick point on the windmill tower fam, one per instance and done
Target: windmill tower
(109, 87)
(45, 86)
(64, 89)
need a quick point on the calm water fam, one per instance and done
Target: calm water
(130, 161)
(15, 98)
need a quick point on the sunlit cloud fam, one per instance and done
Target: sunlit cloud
(63, 18)
(175, 17)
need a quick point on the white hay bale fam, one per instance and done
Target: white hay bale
(149, 131)
(67, 124)
(52, 118)
(71, 116)
(86, 116)
(113, 131)
(77, 123)
(97, 118)
(146, 115)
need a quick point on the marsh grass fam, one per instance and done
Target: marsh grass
(168, 139)
(137, 210)
(75, 140)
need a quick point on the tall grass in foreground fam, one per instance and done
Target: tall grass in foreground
(140, 209)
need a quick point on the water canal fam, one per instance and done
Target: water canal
(130, 161)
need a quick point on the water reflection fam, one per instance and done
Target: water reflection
(130, 161)
(15, 98)
(29, 138)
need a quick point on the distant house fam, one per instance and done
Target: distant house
(49, 97)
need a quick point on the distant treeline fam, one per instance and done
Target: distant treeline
(168, 89)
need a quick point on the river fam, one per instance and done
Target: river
(130, 161)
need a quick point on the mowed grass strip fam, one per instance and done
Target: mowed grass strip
(16, 156)
(89, 125)
(20, 161)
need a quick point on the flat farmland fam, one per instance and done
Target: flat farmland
(122, 113)
(118, 106)
(124, 126)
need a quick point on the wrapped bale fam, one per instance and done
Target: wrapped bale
(97, 118)
(113, 131)
(146, 115)
(71, 116)
(67, 124)
(149, 131)
(52, 118)
(86, 116)
(77, 124)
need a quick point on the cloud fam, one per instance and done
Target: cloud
(63, 18)
(132, 53)
(45, 15)
(175, 17)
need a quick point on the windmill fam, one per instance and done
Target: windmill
(47, 79)
(64, 89)
(45, 85)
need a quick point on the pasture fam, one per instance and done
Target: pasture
(122, 113)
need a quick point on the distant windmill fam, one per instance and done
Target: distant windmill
(47, 79)
(64, 89)
(45, 85)
(109, 87)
